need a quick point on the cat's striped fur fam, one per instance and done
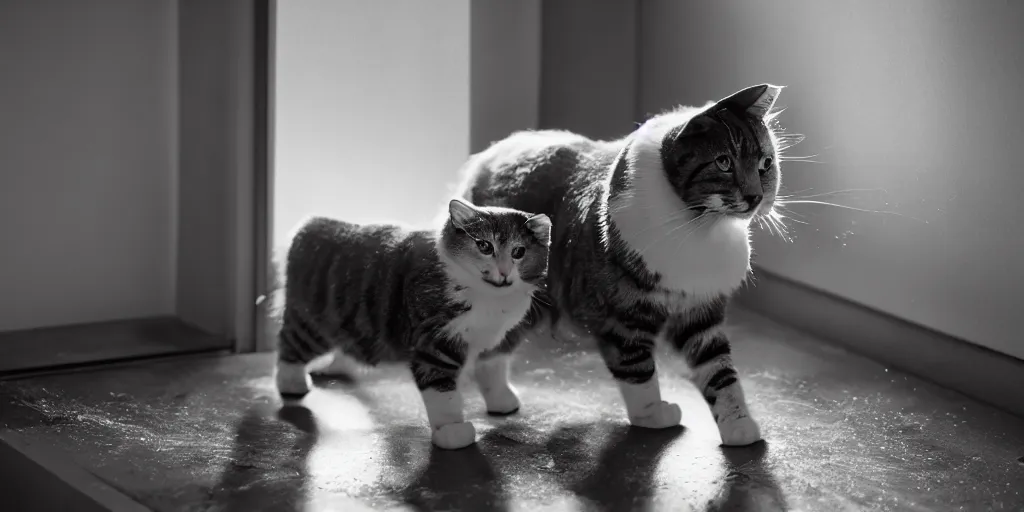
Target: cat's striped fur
(434, 300)
(650, 239)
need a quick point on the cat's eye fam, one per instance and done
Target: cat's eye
(485, 247)
(518, 252)
(724, 163)
(766, 163)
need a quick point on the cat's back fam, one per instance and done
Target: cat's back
(533, 170)
(324, 242)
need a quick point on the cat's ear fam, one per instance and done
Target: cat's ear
(698, 124)
(540, 225)
(462, 213)
(756, 101)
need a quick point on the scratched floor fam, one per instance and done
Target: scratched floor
(843, 433)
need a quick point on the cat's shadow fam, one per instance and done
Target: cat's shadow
(750, 482)
(461, 479)
(616, 474)
(267, 467)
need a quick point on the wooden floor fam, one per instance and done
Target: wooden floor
(842, 433)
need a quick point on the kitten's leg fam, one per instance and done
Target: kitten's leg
(299, 343)
(631, 362)
(436, 370)
(491, 373)
(706, 349)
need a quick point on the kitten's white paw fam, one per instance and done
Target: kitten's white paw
(292, 379)
(658, 415)
(739, 432)
(454, 435)
(338, 365)
(502, 401)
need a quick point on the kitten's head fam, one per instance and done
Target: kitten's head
(724, 159)
(496, 248)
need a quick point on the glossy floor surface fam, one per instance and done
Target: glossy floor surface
(843, 433)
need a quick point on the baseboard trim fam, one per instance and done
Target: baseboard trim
(38, 478)
(72, 346)
(975, 371)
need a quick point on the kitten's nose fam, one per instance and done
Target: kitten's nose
(504, 269)
(753, 200)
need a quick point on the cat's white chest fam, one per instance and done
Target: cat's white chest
(712, 261)
(488, 319)
(705, 264)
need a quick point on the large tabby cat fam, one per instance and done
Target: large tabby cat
(379, 294)
(650, 239)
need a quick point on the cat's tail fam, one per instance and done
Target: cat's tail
(274, 295)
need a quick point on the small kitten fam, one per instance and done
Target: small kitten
(651, 238)
(434, 300)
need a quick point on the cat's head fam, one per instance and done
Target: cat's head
(496, 248)
(723, 158)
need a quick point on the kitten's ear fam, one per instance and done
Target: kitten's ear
(462, 213)
(540, 225)
(756, 101)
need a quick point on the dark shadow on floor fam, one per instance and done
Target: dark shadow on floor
(750, 484)
(451, 480)
(267, 468)
(615, 473)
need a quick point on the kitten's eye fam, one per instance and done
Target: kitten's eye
(724, 163)
(485, 247)
(518, 252)
(766, 164)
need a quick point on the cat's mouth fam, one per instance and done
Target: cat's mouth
(502, 284)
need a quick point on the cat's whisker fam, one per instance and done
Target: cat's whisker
(827, 194)
(677, 228)
(865, 210)
(675, 217)
(776, 220)
(800, 159)
(542, 301)
(702, 220)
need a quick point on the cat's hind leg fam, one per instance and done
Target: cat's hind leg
(435, 368)
(299, 344)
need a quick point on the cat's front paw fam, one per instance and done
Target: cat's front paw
(658, 415)
(292, 380)
(739, 432)
(502, 402)
(454, 435)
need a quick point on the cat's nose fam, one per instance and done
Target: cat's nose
(753, 200)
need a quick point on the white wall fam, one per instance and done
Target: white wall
(917, 97)
(372, 108)
(87, 160)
